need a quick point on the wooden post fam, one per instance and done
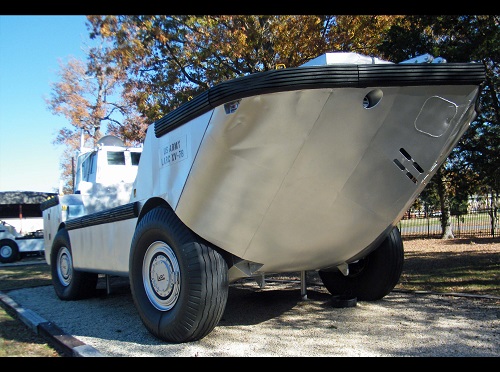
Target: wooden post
(21, 218)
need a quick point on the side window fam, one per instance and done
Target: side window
(135, 156)
(116, 158)
(85, 170)
(93, 163)
(88, 166)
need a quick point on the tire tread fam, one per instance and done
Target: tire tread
(203, 295)
(379, 277)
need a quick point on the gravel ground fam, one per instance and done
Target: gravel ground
(275, 321)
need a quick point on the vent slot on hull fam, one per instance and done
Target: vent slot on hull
(410, 160)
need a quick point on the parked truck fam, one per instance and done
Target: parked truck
(14, 245)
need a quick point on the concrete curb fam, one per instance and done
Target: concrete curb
(69, 344)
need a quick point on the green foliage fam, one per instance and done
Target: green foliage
(474, 165)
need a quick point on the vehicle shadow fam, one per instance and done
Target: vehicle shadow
(248, 304)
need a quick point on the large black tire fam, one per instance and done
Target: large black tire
(179, 283)
(9, 251)
(69, 284)
(372, 277)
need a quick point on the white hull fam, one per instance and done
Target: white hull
(302, 169)
(306, 179)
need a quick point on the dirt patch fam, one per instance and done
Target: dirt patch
(465, 265)
(462, 245)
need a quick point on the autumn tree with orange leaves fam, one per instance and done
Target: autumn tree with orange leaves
(88, 95)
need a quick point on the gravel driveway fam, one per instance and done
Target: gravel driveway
(275, 321)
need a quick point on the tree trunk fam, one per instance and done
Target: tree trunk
(492, 211)
(446, 225)
(446, 230)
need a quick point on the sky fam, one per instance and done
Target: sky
(31, 48)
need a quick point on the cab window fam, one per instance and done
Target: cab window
(116, 158)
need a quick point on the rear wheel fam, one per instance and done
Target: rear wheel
(9, 251)
(69, 283)
(372, 277)
(179, 283)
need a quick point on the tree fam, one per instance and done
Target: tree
(478, 151)
(85, 95)
(475, 162)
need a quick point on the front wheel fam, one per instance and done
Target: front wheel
(179, 283)
(9, 251)
(372, 277)
(69, 283)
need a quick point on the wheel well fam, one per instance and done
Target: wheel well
(2, 241)
(151, 204)
(157, 202)
(373, 246)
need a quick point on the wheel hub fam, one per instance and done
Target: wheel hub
(64, 266)
(161, 276)
(6, 251)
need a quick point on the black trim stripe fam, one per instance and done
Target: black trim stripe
(318, 77)
(49, 203)
(123, 212)
(28, 237)
(421, 74)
